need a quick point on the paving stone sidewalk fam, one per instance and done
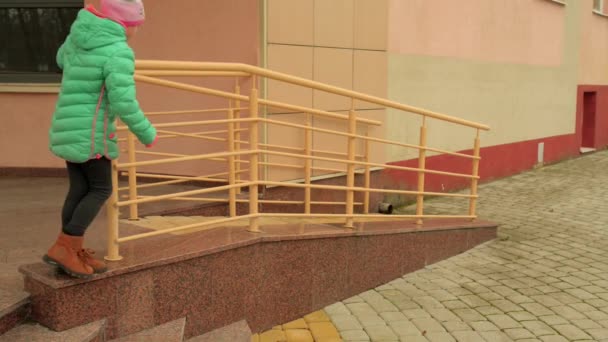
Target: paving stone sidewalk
(544, 279)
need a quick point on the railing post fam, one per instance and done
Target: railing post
(112, 217)
(254, 158)
(237, 134)
(231, 165)
(474, 181)
(421, 174)
(367, 181)
(132, 171)
(308, 163)
(350, 173)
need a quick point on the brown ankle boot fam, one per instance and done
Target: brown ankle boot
(66, 254)
(88, 256)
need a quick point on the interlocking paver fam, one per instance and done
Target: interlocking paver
(455, 304)
(346, 322)
(504, 321)
(547, 300)
(489, 310)
(416, 339)
(393, 316)
(337, 308)
(586, 324)
(404, 328)
(428, 325)
(428, 302)
(518, 333)
(522, 316)
(381, 333)
(416, 313)
(598, 333)
(598, 303)
(544, 279)
(553, 338)
(538, 328)
(467, 336)
(369, 319)
(568, 312)
(564, 298)
(495, 336)
(505, 291)
(469, 315)
(571, 332)
(442, 295)
(353, 299)
(440, 337)
(580, 293)
(443, 315)
(355, 335)
(452, 326)
(473, 301)
(519, 299)
(596, 315)
(490, 296)
(484, 326)
(323, 330)
(360, 308)
(536, 309)
(506, 305)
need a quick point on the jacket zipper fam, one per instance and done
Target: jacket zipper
(92, 154)
(105, 132)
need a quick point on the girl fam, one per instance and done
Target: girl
(97, 86)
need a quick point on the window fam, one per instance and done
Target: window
(31, 31)
(598, 6)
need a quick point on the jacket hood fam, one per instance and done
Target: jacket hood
(91, 31)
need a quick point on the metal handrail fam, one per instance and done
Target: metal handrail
(353, 162)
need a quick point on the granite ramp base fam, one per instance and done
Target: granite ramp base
(217, 277)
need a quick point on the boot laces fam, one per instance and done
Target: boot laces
(85, 254)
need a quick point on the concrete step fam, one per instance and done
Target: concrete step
(14, 309)
(235, 332)
(33, 332)
(169, 332)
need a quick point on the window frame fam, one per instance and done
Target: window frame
(599, 10)
(41, 3)
(35, 77)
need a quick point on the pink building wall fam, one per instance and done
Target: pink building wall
(196, 30)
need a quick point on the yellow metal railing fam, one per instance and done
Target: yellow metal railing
(244, 156)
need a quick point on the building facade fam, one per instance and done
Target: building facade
(535, 71)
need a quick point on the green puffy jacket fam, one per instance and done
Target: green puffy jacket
(97, 86)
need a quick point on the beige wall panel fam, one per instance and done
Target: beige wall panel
(377, 151)
(370, 75)
(371, 24)
(334, 23)
(293, 60)
(339, 144)
(289, 137)
(330, 142)
(334, 67)
(290, 21)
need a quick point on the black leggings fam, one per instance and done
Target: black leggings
(90, 187)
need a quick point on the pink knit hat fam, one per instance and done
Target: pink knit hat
(128, 12)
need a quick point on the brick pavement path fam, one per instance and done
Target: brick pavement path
(544, 279)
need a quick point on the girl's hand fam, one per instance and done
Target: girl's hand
(152, 143)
